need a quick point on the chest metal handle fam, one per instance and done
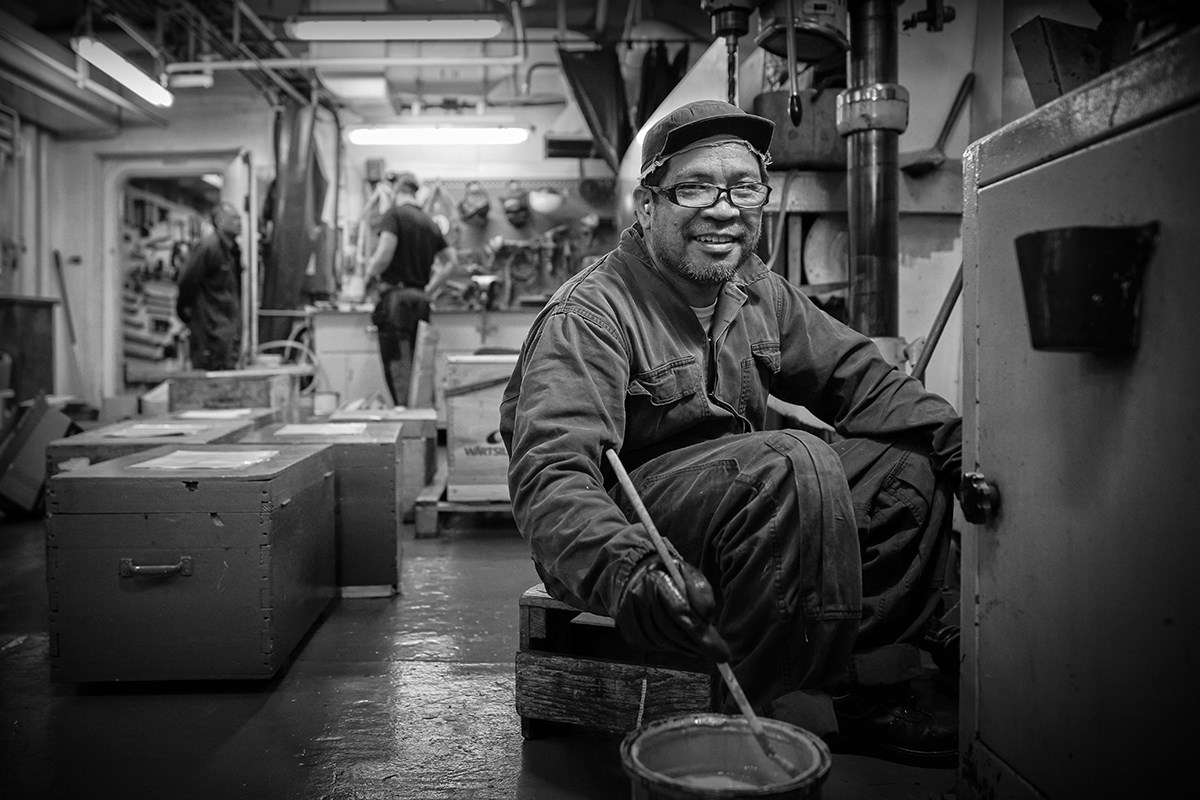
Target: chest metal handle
(130, 570)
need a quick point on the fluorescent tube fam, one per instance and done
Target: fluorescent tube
(123, 71)
(437, 135)
(390, 28)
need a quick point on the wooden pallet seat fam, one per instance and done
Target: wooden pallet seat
(574, 668)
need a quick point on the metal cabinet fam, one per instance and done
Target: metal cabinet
(1081, 608)
(347, 348)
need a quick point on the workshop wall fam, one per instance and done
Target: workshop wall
(224, 119)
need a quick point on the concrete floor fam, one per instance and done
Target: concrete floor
(407, 697)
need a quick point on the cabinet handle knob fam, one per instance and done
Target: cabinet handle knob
(980, 498)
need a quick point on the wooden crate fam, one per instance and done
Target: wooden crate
(135, 435)
(277, 388)
(574, 668)
(432, 508)
(246, 555)
(476, 458)
(368, 510)
(418, 447)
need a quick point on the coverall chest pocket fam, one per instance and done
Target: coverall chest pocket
(667, 384)
(759, 371)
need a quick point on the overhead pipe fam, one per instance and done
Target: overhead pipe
(871, 115)
(253, 62)
(244, 10)
(352, 63)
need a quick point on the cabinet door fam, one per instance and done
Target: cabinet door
(356, 375)
(1082, 609)
(347, 347)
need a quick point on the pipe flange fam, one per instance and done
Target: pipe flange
(876, 106)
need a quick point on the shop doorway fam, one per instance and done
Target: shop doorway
(161, 208)
(162, 221)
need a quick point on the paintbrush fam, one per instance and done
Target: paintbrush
(735, 688)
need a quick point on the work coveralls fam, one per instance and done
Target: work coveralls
(209, 302)
(813, 549)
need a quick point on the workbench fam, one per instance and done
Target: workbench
(346, 343)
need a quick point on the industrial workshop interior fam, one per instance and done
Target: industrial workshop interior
(270, 489)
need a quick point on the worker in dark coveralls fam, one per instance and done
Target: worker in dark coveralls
(410, 245)
(819, 564)
(210, 290)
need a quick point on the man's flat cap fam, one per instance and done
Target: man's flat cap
(698, 120)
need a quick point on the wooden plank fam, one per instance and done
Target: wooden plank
(420, 390)
(425, 514)
(605, 694)
(536, 595)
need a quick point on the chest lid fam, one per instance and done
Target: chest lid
(164, 430)
(357, 443)
(178, 478)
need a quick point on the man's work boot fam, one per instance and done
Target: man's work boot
(909, 725)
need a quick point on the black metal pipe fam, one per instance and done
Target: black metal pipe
(873, 177)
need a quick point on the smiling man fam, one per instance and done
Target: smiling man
(820, 563)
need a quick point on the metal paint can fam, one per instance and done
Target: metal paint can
(716, 756)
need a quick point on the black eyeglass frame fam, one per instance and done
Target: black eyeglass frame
(672, 193)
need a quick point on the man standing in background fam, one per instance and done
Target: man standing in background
(209, 300)
(409, 245)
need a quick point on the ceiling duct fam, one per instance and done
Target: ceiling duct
(599, 91)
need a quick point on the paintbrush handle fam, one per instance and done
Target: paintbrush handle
(735, 688)
(644, 517)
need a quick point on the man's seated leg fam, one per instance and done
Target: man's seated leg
(767, 517)
(903, 515)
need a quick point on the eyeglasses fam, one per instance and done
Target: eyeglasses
(705, 195)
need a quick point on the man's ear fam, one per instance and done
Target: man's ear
(641, 203)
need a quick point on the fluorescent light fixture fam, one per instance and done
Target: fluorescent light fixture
(358, 88)
(437, 135)
(190, 80)
(389, 28)
(123, 71)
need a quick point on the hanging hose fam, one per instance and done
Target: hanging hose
(309, 355)
(778, 244)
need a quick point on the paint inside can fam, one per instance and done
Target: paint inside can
(717, 756)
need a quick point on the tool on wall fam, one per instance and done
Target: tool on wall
(76, 373)
(939, 324)
(923, 161)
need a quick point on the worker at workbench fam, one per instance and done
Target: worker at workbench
(410, 246)
(819, 564)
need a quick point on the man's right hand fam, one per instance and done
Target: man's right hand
(654, 615)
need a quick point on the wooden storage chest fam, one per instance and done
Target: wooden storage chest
(366, 457)
(277, 388)
(136, 435)
(159, 573)
(476, 459)
(418, 446)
